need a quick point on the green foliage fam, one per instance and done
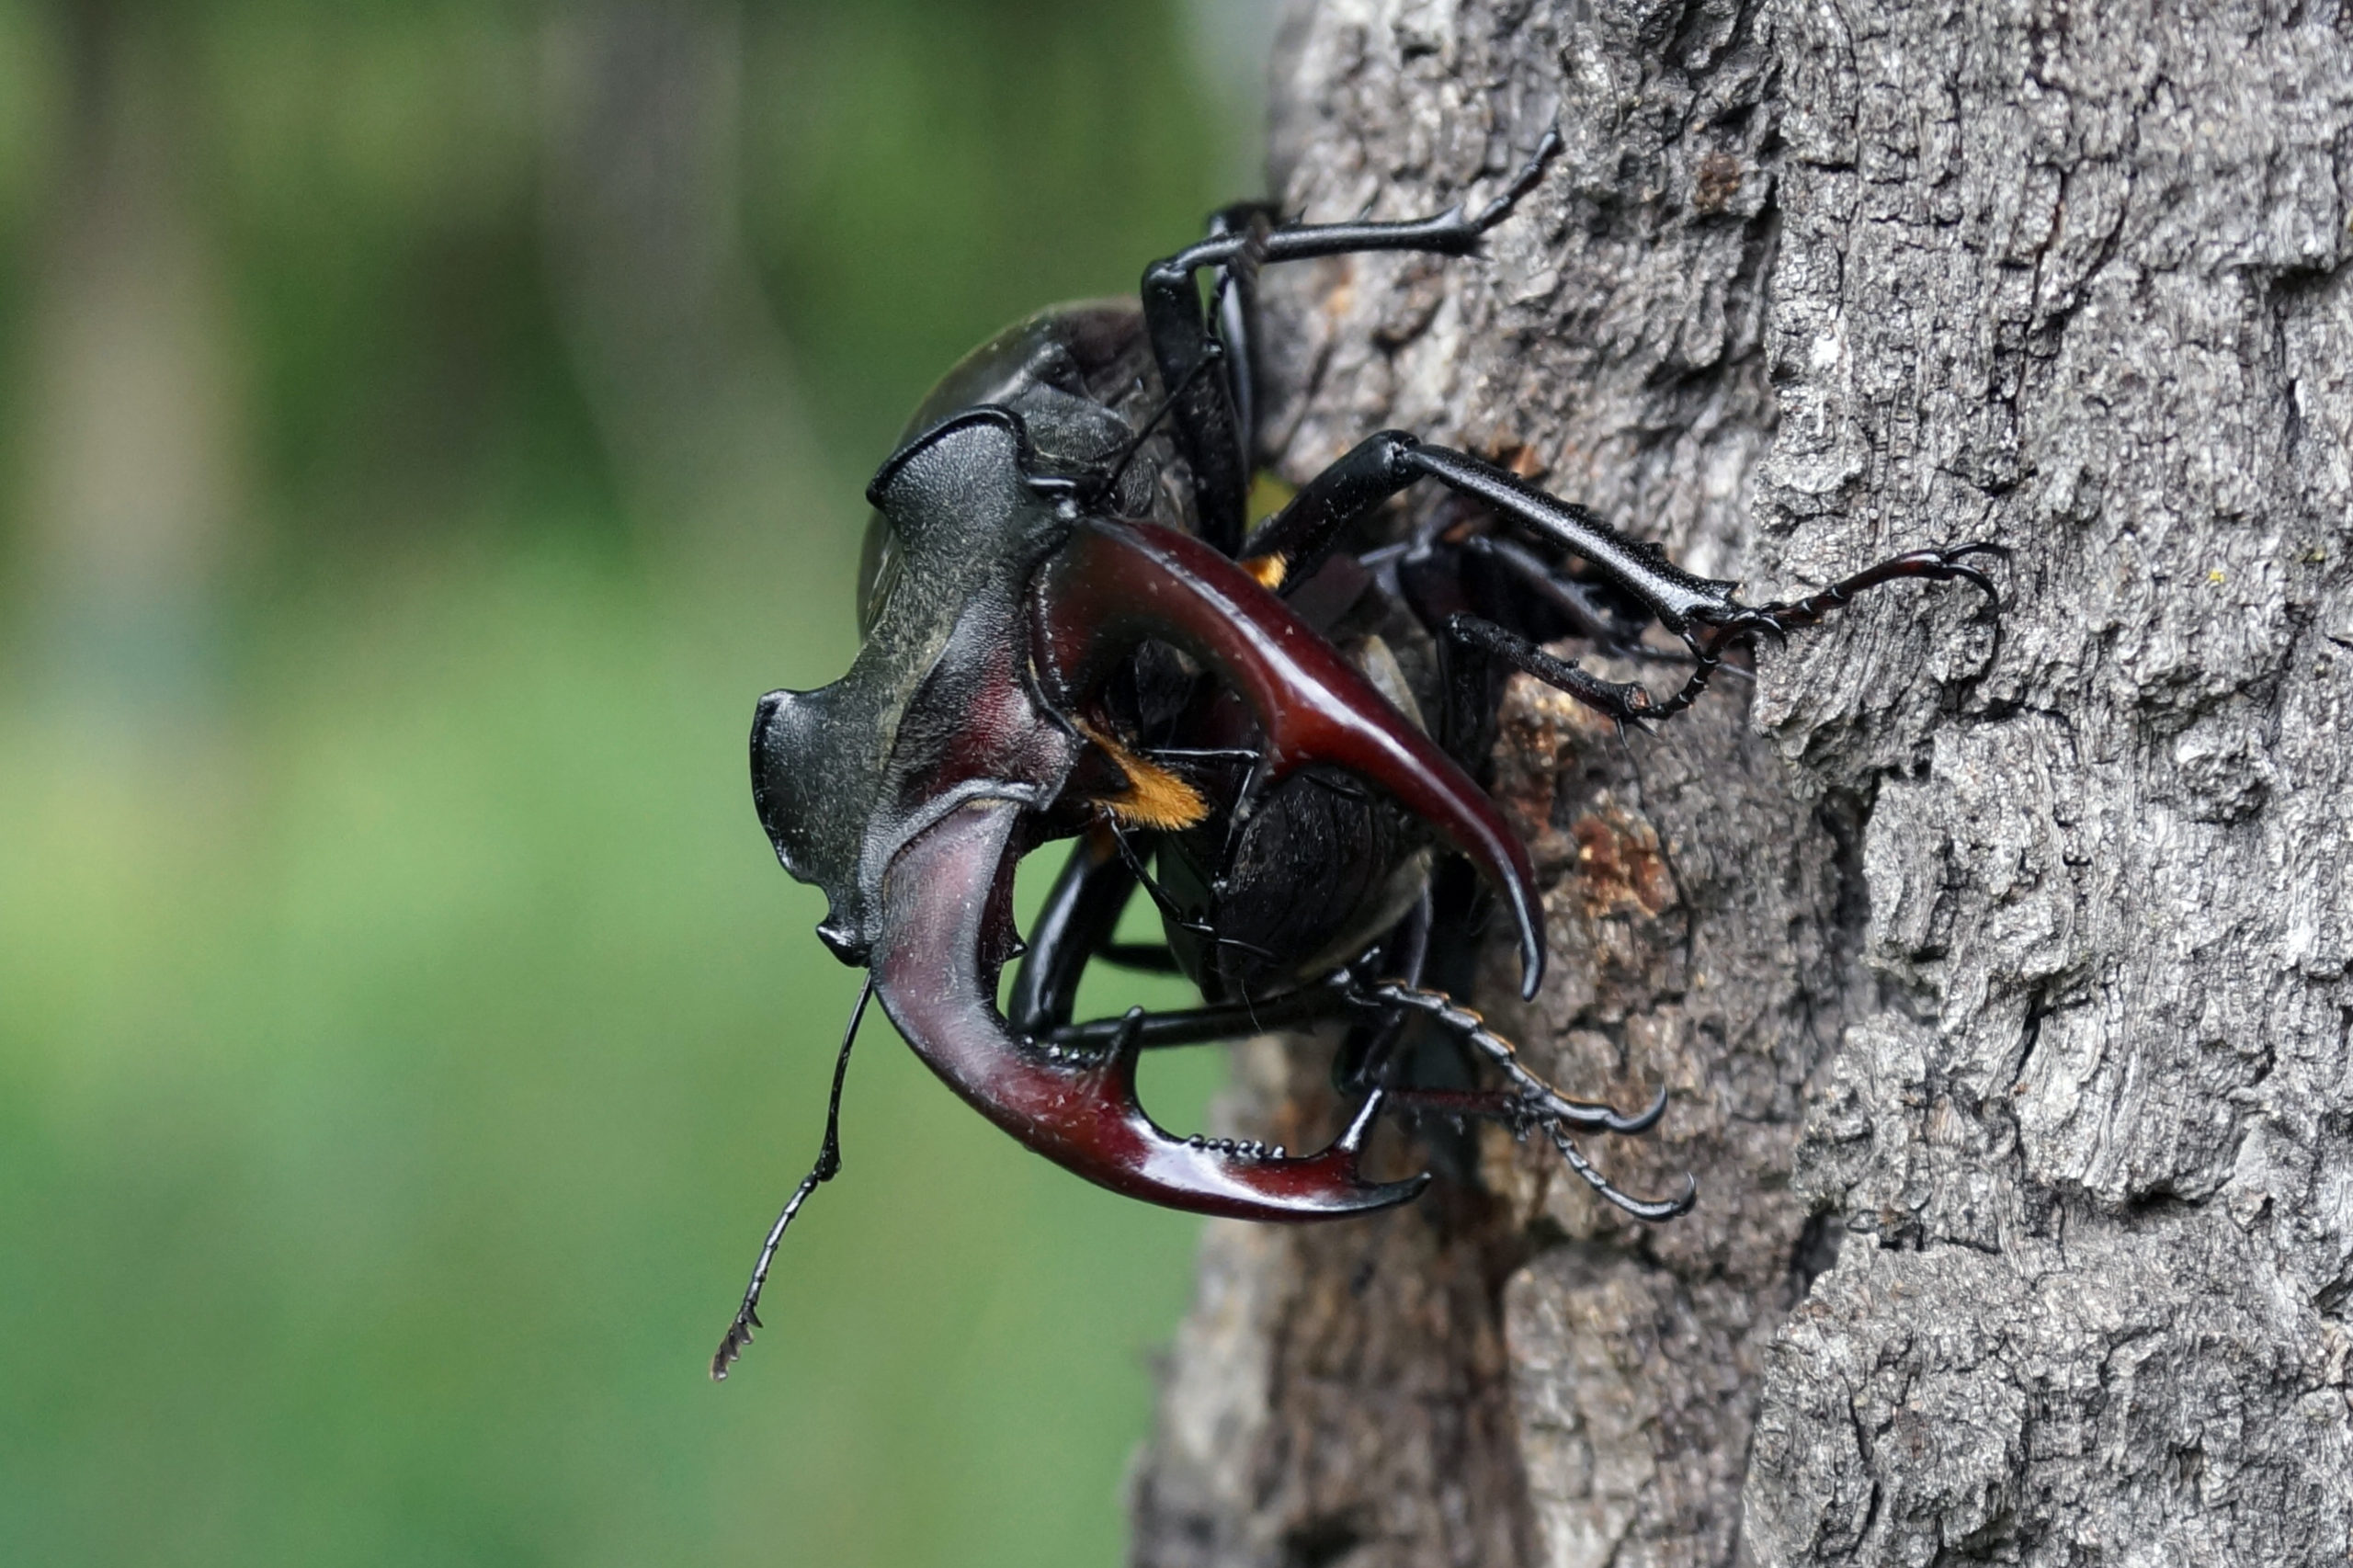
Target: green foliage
(402, 1055)
(392, 1097)
(1033, 152)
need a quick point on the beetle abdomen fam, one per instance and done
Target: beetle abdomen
(1323, 867)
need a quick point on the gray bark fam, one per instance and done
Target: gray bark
(2000, 979)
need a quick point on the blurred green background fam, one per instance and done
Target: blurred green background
(424, 429)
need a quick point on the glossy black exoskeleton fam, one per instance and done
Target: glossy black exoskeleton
(1071, 630)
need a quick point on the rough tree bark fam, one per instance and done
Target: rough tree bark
(2017, 963)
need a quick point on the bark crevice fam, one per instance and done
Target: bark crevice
(2000, 978)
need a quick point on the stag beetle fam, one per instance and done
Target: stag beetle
(1070, 630)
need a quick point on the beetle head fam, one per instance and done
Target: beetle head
(934, 705)
(1044, 370)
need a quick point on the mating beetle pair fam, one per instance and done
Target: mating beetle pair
(1071, 630)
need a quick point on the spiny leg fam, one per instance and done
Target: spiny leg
(1532, 1104)
(828, 1165)
(1471, 1029)
(1215, 446)
(1512, 1111)
(1651, 1209)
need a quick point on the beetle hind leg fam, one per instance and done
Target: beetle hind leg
(1530, 1104)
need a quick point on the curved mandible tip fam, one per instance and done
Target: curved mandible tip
(1117, 584)
(1078, 1109)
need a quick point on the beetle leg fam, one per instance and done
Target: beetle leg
(1701, 610)
(1532, 1102)
(1389, 461)
(1474, 644)
(1365, 1056)
(1945, 565)
(1576, 604)
(1200, 1026)
(1516, 1112)
(1115, 585)
(1215, 446)
(1572, 602)
(1233, 315)
(1170, 911)
(1718, 628)
(1546, 1102)
(1147, 958)
(1520, 1108)
(1079, 916)
(946, 902)
(1652, 1209)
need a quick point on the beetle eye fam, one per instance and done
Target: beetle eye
(877, 571)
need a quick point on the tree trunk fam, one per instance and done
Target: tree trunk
(2015, 961)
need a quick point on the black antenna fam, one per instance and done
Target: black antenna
(828, 1165)
(1135, 445)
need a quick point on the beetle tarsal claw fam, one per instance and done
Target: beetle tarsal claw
(941, 898)
(1651, 1209)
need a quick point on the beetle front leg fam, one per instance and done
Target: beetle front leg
(1214, 441)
